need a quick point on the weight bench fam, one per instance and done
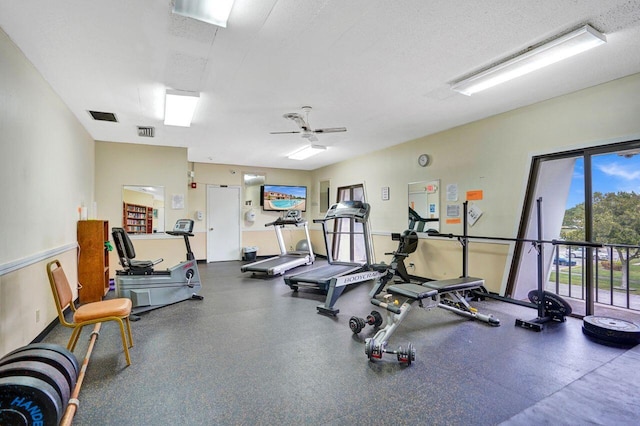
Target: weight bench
(446, 294)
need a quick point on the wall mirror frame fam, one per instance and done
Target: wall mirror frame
(424, 205)
(324, 187)
(143, 209)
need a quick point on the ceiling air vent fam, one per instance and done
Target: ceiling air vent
(146, 131)
(103, 116)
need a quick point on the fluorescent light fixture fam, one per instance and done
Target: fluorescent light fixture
(214, 12)
(306, 152)
(179, 107)
(559, 48)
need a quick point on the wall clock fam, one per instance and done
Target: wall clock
(423, 160)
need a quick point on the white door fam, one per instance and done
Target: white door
(223, 223)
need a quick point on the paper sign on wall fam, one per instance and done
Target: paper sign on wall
(473, 214)
(452, 192)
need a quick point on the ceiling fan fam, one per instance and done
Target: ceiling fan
(305, 129)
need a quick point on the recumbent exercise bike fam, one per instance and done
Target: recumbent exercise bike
(151, 289)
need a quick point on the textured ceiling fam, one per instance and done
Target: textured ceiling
(382, 69)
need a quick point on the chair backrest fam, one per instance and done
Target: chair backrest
(124, 246)
(60, 288)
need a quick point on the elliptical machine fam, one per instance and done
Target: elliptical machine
(150, 289)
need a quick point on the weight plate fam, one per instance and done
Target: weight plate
(52, 347)
(39, 370)
(377, 318)
(60, 362)
(356, 324)
(368, 347)
(612, 330)
(554, 305)
(412, 353)
(28, 401)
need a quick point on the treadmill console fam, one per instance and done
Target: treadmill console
(349, 209)
(291, 217)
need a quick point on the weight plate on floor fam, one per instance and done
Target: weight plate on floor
(356, 324)
(368, 347)
(554, 305)
(28, 401)
(52, 347)
(613, 330)
(60, 362)
(39, 370)
(377, 318)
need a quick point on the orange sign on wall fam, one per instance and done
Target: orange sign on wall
(474, 195)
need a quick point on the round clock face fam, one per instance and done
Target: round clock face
(423, 160)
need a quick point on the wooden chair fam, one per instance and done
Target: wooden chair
(91, 313)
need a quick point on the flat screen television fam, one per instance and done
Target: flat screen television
(283, 197)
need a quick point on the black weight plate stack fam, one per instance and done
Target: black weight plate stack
(55, 359)
(52, 347)
(39, 370)
(611, 330)
(28, 401)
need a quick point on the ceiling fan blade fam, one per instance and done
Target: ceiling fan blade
(284, 133)
(331, 130)
(296, 118)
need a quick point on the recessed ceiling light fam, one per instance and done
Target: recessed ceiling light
(561, 47)
(306, 152)
(215, 12)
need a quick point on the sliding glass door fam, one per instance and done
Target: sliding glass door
(590, 195)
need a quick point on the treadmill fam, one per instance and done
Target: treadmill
(336, 275)
(287, 260)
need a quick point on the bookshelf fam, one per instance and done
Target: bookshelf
(93, 263)
(137, 219)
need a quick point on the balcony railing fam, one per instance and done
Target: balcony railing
(616, 272)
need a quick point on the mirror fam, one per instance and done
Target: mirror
(424, 206)
(324, 195)
(252, 183)
(143, 209)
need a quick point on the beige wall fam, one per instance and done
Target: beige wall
(48, 169)
(253, 233)
(46, 173)
(492, 155)
(120, 164)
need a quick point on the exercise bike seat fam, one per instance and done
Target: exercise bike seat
(127, 254)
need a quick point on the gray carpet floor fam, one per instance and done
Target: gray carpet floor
(255, 353)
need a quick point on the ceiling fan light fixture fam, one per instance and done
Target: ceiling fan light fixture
(306, 152)
(179, 107)
(559, 48)
(215, 12)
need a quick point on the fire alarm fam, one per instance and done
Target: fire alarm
(193, 185)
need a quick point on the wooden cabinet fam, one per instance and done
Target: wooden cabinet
(93, 262)
(137, 219)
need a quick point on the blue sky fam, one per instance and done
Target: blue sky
(611, 173)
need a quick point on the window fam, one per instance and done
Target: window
(592, 194)
(348, 244)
